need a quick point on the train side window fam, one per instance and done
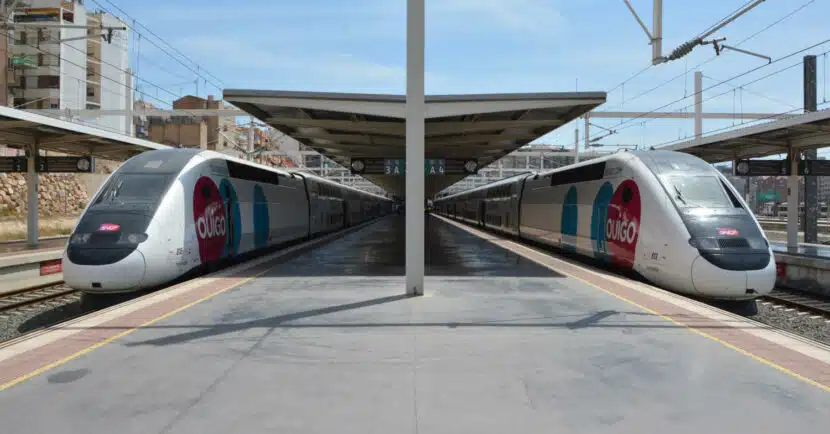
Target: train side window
(735, 202)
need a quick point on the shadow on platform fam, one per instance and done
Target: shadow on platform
(283, 321)
(380, 250)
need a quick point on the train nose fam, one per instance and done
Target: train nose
(123, 275)
(714, 281)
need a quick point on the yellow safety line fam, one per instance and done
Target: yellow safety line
(88, 349)
(667, 318)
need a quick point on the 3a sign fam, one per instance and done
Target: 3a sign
(394, 166)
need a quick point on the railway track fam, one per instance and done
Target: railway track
(16, 300)
(802, 301)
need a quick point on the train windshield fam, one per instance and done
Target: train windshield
(143, 190)
(698, 191)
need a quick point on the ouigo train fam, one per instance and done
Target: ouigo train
(668, 216)
(169, 213)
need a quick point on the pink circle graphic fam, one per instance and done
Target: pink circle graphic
(211, 221)
(622, 228)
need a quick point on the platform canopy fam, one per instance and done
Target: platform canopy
(803, 131)
(19, 129)
(344, 126)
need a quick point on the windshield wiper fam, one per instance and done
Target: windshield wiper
(679, 195)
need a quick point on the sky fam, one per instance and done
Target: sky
(486, 46)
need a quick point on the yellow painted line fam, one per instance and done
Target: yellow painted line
(315, 243)
(125, 333)
(495, 240)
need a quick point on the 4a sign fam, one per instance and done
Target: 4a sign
(434, 166)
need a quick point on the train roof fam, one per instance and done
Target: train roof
(490, 185)
(659, 161)
(323, 180)
(214, 154)
(175, 159)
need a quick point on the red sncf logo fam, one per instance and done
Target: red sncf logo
(109, 227)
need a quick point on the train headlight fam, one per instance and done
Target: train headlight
(79, 239)
(758, 243)
(136, 238)
(704, 243)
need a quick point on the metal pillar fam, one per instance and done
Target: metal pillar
(415, 108)
(698, 104)
(576, 145)
(792, 202)
(32, 235)
(810, 221)
(657, 28)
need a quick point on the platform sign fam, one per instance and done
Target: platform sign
(814, 167)
(768, 196)
(66, 164)
(13, 164)
(434, 166)
(394, 166)
(762, 167)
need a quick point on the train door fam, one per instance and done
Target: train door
(482, 212)
(345, 207)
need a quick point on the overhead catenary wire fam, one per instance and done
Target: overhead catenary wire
(757, 68)
(126, 71)
(738, 44)
(744, 89)
(126, 86)
(199, 68)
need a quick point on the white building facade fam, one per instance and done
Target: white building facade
(68, 68)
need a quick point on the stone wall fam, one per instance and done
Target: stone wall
(59, 194)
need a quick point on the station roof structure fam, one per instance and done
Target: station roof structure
(345, 126)
(19, 129)
(801, 131)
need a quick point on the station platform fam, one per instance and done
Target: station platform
(10, 248)
(810, 250)
(506, 338)
(805, 267)
(22, 267)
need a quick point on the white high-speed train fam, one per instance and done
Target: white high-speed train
(669, 216)
(170, 213)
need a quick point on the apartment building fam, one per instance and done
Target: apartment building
(69, 68)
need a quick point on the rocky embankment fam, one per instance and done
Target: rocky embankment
(61, 198)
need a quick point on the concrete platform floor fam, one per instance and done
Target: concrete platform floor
(325, 343)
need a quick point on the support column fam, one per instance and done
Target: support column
(810, 220)
(657, 43)
(576, 145)
(415, 108)
(698, 104)
(32, 233)
(792, 202)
